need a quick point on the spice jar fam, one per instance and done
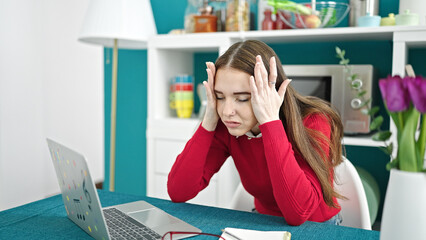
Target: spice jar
(237, 15)
(205, 23)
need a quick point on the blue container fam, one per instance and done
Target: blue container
(182, 79)
(368, 21)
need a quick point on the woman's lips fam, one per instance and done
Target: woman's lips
(231, 124)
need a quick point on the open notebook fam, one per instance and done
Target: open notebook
(246, 234)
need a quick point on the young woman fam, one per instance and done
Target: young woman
(284, 145)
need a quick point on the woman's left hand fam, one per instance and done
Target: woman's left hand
(265, 99)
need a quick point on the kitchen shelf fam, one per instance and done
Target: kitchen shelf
(210, 41)
(364, 141)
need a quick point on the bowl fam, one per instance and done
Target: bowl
(302, 15)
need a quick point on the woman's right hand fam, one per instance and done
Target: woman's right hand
(210, 117)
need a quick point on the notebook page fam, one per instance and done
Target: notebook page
(246, 234)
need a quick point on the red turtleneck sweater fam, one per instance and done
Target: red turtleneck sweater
(280, 180)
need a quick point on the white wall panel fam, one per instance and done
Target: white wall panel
(51, 85)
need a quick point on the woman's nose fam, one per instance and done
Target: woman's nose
(229, 109)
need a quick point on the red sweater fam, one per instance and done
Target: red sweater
(280, 180)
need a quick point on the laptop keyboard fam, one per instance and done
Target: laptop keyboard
(121, 226)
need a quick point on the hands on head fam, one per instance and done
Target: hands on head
(210, 117)
(265, 99)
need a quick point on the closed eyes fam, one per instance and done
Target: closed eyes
(219, 98)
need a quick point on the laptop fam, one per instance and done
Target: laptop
(135, 220)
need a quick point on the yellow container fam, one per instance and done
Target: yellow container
(178, 104)
(183, 107)
(184, 112)
(388, 21)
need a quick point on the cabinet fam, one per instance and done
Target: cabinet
(170, 55)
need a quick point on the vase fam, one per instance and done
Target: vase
(404, 211)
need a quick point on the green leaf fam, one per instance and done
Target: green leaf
(362, 93)
(365, 103)
(385, 150)
(392, 164)
(338, 51)
(407, 148)
(421, 141)
(355, 85)
(344, 62)
(390, 148)
(374, 110)
(382, 136)
(376, 123)
(354, 76)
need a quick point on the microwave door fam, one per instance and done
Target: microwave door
(313, 86)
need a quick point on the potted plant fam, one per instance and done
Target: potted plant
(404, 212)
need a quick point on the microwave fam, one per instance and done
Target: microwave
(329, 82)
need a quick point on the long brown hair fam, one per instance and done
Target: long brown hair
(242, 56)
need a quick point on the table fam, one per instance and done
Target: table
(47, 219)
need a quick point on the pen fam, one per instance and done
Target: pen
(232, 235)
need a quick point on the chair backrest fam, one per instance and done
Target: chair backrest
(242, 200)
(354, 211)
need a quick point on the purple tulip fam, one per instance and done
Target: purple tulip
(417, 89)
(394, 93)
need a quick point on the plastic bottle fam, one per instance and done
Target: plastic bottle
(268, 23)
(279, 22)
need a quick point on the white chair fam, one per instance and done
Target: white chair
(354, 211)
(242, 200)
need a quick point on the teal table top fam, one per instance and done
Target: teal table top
(47, 219)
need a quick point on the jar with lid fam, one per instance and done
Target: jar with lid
(237, 15)
(206, 21)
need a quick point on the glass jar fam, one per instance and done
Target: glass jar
(191, 11)
(219, 9)
(237, 15)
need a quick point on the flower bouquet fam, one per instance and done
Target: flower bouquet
(405, 101)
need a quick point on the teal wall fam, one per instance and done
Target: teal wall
(131, 120)
(132, 96)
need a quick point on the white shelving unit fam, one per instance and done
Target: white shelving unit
(170, 55)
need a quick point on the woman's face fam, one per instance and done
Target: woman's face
(233, 96)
